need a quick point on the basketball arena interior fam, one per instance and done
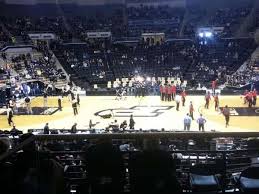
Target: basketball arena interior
(129, 96)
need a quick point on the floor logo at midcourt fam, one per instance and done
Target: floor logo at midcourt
(136, 111)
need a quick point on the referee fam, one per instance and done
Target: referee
(201, 121)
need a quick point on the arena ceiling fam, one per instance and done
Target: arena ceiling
(89, 2)
(173, 3)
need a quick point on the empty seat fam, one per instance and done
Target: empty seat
(203, 177)
(249, 180)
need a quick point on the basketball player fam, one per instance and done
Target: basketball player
(72, 95)
(78, 99)
(11, 104)
(45, 100)
(60, 103)
(28, 105)
(213, 86)
(183, 95)
(216, 100)
(226, 113)
(173, 89)
(9, 112)
(191, 110)
(166, 90)
(169, 93)
(143, 89)
(250, 99)
(177, 100)
(245, 96)
(161, 92)
(14, 106)
(137, 89)
(207, 100)
(90, 124)
(254, 93)
(74, 106)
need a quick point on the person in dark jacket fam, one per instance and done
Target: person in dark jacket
(9, 116)
(153, 171)
(35, 172)
(60, 103)
(74, 106)
(106, 170)
(46, 129)
(131, 122)
(73, 128)
(6, 168)
(78, 99)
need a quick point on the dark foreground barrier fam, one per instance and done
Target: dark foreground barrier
(210, 161)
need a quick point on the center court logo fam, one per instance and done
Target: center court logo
(136, 111)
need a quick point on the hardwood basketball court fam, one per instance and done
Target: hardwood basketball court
(149, 113)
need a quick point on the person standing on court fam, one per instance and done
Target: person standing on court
(131, 122)
(45, 100)
(90, 124)
(183, 95)
(28, 105)
(169, 93)
(177, 100)
(161, 92)
(226, 113)
(207, 100)
(245, 95)
(60, 103)
(213, 86)
(191, 110)
(74, 106)
(9, 112)
(201, 121)
(254, 93)
(11, 104)
(187, 122)
(216, 101)
(250, 99)
(166, 90)
(78, 99)
(173, 90)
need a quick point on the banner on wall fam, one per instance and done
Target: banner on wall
(99, 34)
(42, 36)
